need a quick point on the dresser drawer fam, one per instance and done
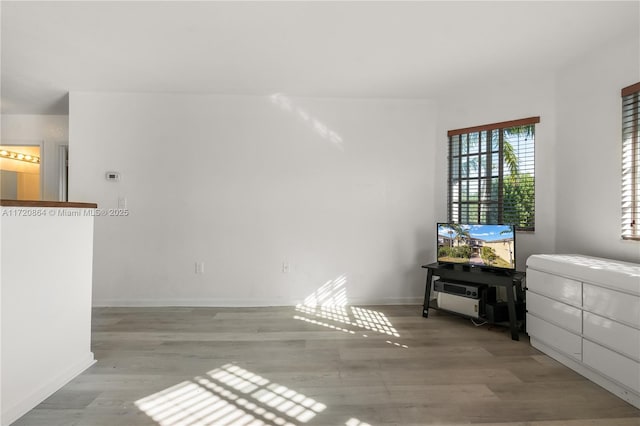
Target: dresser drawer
(555, 287)
(614, 335)
(612, 304)
(612, 364)
(555, 312)
(558, 338)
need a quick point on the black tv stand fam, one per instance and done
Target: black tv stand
(509, 280)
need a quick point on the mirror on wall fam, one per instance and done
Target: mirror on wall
(20, 168)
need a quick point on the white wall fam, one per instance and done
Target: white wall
(243, 184)
(51, 130)
(589, 150)
(45, 266)
(478, 103)
(578, 147)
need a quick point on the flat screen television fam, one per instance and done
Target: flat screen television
(485, 246)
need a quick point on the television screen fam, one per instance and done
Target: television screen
(489, 246)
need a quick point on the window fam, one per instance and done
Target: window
(492, 175)
(631, 162)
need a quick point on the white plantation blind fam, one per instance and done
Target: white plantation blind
(492, 174)
(631, 162)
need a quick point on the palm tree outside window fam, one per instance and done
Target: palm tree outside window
(492, 174)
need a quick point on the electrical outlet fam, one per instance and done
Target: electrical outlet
(199, 268)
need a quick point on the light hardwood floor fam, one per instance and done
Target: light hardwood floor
(352, 366)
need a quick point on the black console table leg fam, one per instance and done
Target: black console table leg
(513, 319)
(427, 294)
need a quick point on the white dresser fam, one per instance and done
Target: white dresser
(585, 312)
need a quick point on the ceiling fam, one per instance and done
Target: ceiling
(326, 49)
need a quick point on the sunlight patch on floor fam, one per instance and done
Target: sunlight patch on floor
(374, 321)
(355, 422)
(329, 304)
(229, 395)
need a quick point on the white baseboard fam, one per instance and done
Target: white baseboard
(13, 413)
(387, 301)
(244, 303)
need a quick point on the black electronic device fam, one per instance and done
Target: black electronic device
(460, 288)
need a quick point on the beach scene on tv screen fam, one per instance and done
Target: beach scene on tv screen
(481, 245)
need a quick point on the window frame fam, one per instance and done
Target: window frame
(630, 171)
(500, 127)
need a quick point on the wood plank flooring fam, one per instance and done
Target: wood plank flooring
(352, 366)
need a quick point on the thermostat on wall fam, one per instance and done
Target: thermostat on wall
(112, 176)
